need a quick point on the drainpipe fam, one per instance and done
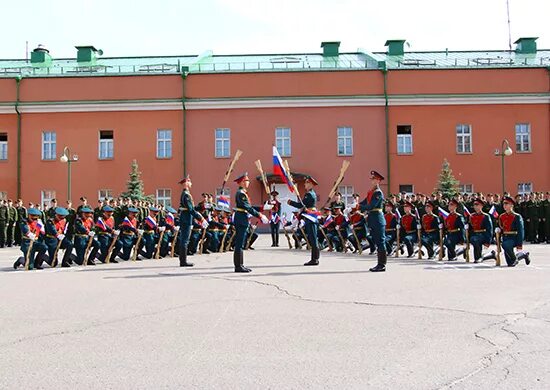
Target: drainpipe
(383, 67)
(17, 84)
(184, 71)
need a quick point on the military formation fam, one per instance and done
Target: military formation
(474, 226)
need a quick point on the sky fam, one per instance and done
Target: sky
(177, 27)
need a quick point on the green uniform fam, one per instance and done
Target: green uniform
(3, 224)
(12, 224)
(546, 214)
(532, 220)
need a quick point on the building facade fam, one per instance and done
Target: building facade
(401, 113)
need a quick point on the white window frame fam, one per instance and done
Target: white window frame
(522, 136)
(408, 193)
(342, 138)
(401, 139)
(105, 193)
(525, 188)
(463, 188)
(106, 147)
(164, 196)
(222, 142)
(49, 145)
(347, 194)
(46, 196)
(463, 133)
(164, 143)
(4, 148)
(283, 142)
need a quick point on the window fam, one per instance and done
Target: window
(463, 139)
(347, 194)
(345, 141)
(404, 139)
(3, 195)
(164, 197)
(282, 141)
(3, 146)
(105, 194)
(46, 196)
(407, 188)
(49, 140)
(164, 143)
(106, 144)
(523, 137)
(525, 188)
(466, 188)
(223, 143)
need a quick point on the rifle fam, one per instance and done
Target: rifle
(136, 247)
(398, 234)
(287, 236)
(344, 247)
(110, 250)
(231, 166)
(86, 252)
(54, 259)
(498, 249)
(228, 245)
(345, 166)
(201, 242)
(467, 254)
(440, 244)
(223, 240)
(359, 246)
(262, 174)
(28, 255)
(419, 232)
(326, 237)
(252, 230)
(173, 243)
(157, 252)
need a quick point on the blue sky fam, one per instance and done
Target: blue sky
(171, 27)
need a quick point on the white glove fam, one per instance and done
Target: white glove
(207, 206)
(60, 237)
(440, 226)
(140, 231)
(419, 227)
(177, 228)
(497, 230)
(204, 223)
(31, 235)
(466, 226)
(353, 205)
(116, 232)
(91, 234)
(162, 228)
(347, 210)
(337, 227)
(302, 223)
(267, 206)
(227, 227)
(397, 227)
(264, 219)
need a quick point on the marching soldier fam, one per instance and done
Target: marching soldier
(106, 233)
(32, 239)
(481, 229)
(430, 228)
(84, 233)
(309, 214)
(511, 226)
(129, 230)
(373, 204)
(275, 220)
(391, 226)
(187, 215)
(409, 226)
(56, 230)
(242, 209)
(454, 227)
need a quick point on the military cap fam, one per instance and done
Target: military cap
(338, 193)
(326, 208)
(311, 180)
(479, 201)
(33, 211)
(242, 178)
(86, 209)
(132, 210)
(508, 199)
(408, 204)
(108, 209)
(390, 203)
(337, 206)
(61, 211)
(376, 175)
(154, 209)
(185, 179)
(204, 194)
(454, 201)
(431, 204)
(356, 195)
(170, 209)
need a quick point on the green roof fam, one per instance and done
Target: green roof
(209, 63)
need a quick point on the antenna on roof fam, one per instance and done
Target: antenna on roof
(509, 27)
(26, 51)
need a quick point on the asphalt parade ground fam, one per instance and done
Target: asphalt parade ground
(150, 324)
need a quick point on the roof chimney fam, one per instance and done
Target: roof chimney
(87, 53)
(41, 55)
(526, 45)
(330, 49)
(396, 47)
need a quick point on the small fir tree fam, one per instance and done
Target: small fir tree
(447, 184)
(135, 186)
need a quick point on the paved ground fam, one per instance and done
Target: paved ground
(150, 324)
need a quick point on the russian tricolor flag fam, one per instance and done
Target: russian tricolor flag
(223, 201)
(40, 225)
(279, 169)
(493, 211)
(444, 214)
(100, 224)
(467, 212)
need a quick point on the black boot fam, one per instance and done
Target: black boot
(488, 256)
(524, 256)
(242, 262)
(237, 262)
(382, 259)
(183, 257)
(314, 257)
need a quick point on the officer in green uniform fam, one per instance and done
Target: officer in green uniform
(187, 215)
(373, 204)
(532, 219)
(12, 223)
(3, 223)
(70, 219)
(546, 216)
(242, 209)
(21, 216)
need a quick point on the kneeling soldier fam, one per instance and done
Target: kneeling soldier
(454, 225)
(409, 232)
(32, 239)
(430, 228)
(129, 230)
(84, 235)
(106, 233)
(482, 229)
(511, 226)
(56, 227)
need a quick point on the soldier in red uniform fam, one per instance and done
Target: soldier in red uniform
(430, 228)
(454, 228)
(106, 233)
(338, 228)
(409, 228)
(481, 229)
(511, 226)
(357, 223)
(391, 226)
(83, 233)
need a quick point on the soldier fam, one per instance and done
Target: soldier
(409, 232)
(481, 229)
(151, 233)
(542, 219)
(84, 233)
(391, 226)
(309, 214)
(275, 220)
(3, 223)
(358, 224)
(83, 202)
(98, 209)
(188, 213)
(373, 204)
(106, 233)
(32, 238)
(71, 218)
(430, 228)
(21, 217)
(215, 228)
(337, 201)
(454, 227)
(11, 224)
(129, 230)
(337, 229)
(532, 219)
(546, 218)
(510, 224)
(56, 230)
(242, 209)
(50, 212)
(172, 229)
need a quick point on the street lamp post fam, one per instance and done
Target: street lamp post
(68, 159)
(505, 151)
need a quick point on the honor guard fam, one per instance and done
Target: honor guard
(129, 231)
(106, 233)
(511, 227)
(84, 237)
(430, 228)
(32, 240)
(372, 205)
(56, 229)
(337, 229)
(358, 224)
(409, 232)
(310, 215)
(481, 229)
(391, 226)
(187, 215)
(151, 233)
(275, 219)
(454, 228)
(171, 232)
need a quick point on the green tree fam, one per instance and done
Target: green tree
(447, 184)
(135, 186)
